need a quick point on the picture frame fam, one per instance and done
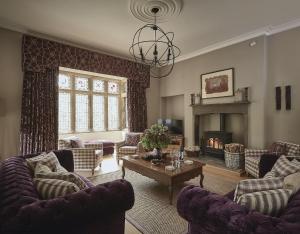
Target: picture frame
(217, 84)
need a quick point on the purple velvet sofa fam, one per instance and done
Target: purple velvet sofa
(97, 209)
(208, 213)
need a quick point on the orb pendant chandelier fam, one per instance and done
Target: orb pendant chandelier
(158, 52)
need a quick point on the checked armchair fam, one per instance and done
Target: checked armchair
(257, 160)
(130, 146)
(87, 156)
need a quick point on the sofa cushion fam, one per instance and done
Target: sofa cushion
(269, 202)
(51, 188)
(42, 171)
(284, 167)
(132, 139)
(128, 149)
(255, 185)
(50, 160)
(277, 148)
(292, 182)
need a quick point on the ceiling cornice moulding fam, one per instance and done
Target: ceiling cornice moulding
(265, 31)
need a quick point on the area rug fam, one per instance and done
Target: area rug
(152, 212)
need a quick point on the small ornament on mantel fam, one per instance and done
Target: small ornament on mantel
(192, 99)
(241, 95)
(197, 98)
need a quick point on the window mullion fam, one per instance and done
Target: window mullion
(73, 104)
(90, 97)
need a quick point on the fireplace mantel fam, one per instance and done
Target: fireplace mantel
(217, 108)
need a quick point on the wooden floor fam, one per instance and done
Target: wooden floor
(109, 164)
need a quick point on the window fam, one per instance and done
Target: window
(90, 103)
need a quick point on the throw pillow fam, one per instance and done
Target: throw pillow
(292, 182)
(40, 172)
(50, 160)
(269, 202)
(132, 139)
(255, 185)
(296, 162)
(269, 175)
(277, 148)
(60, 168)
(40, 168)
(284, 167)
(51, 188)
(76, 143)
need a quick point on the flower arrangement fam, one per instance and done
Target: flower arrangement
(156, 137)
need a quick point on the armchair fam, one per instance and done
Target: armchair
(258, 161)
(131, 145)
(87, 157)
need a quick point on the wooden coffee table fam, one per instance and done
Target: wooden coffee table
(166, 177)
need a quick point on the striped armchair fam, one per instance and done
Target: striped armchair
(87, 157)
(255, 158)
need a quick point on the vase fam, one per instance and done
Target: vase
(157, 153)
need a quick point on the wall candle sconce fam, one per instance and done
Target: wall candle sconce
(278, 97)
(288, 97)
(2, 109)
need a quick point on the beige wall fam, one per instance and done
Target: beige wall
(153, 102)
(283, 69)
(172, 107)
(249, 64)
(10, 91)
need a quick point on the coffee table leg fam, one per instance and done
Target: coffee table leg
(123, 172)
(170, 193)
(201, 178)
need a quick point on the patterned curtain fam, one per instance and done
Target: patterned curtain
(137, 106)
(39, 119)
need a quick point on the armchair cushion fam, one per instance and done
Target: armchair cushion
(128, 149)
(132, 138)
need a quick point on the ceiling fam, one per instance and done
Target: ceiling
(108, 25)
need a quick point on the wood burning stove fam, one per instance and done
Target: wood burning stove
(214, 141)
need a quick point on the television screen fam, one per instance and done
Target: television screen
(175, 126)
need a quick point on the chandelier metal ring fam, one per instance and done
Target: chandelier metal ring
(157, 52)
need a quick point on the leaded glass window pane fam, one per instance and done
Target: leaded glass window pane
(64, 112)
(81, 84)
(113, 113)
(64, 81)
(98, 85)
(82, 113)
(113, 87)
(98, 113)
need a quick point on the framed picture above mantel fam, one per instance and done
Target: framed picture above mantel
(217, 84)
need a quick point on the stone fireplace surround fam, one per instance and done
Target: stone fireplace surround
(200, 110)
